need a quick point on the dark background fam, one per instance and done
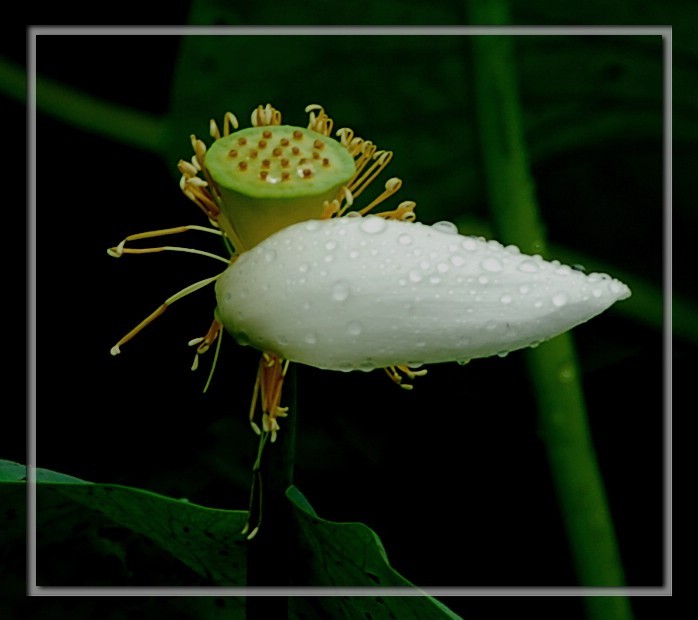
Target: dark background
(452, 476)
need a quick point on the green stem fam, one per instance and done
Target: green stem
(269, 552)
(553, 366)
(120, 123)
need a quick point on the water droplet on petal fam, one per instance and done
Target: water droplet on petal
(617, 287)
(469, 244)
(457, 260)
(340, 291)
(415, 276)
(270, 256)
(354, 328)
(312, 225)
(491, 264)
(528, 266)
(442, 267)
(446, 227)
(559, 299)
(331, 245)
(404, 239)
(373, 225)
(505, 299)
(242, 338)
(310, 338)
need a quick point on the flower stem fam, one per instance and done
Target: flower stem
(110, 120)
(552, 366)
(269, 552)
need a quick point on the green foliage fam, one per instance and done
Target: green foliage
(119, 532)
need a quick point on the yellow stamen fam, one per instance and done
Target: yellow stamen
(115, 350)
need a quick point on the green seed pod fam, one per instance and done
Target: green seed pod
(272, 176)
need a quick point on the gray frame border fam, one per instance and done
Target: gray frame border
(34, 31)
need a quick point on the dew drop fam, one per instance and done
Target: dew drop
(404, 239)
(282, 339)
(442, 267)
(524, 289)
(242, 338)
(373, 225)
(469, 244)
(446, 227)
(312, 225)
(303, 267)
(505, 299)
(483, 280)
(353, 254)
(434, 279)
(340, 291)
(457, 260)
(310, 338)
(330, 245)
(415, 276)
(616, 288)
(559, 299)
(270, 256)
(597, 292)
(354, 328)
(528, 266)
(491, 264)
(563, 270)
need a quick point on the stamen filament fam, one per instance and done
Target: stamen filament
(115, 350)
(116, 253)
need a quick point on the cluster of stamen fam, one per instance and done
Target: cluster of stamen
(270, 379)
(399, 373)
(273, 154)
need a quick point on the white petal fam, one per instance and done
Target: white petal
(364, 292)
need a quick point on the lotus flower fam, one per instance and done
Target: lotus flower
(360, 293)
(312, 282)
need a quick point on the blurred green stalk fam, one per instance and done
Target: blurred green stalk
(552, 366)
